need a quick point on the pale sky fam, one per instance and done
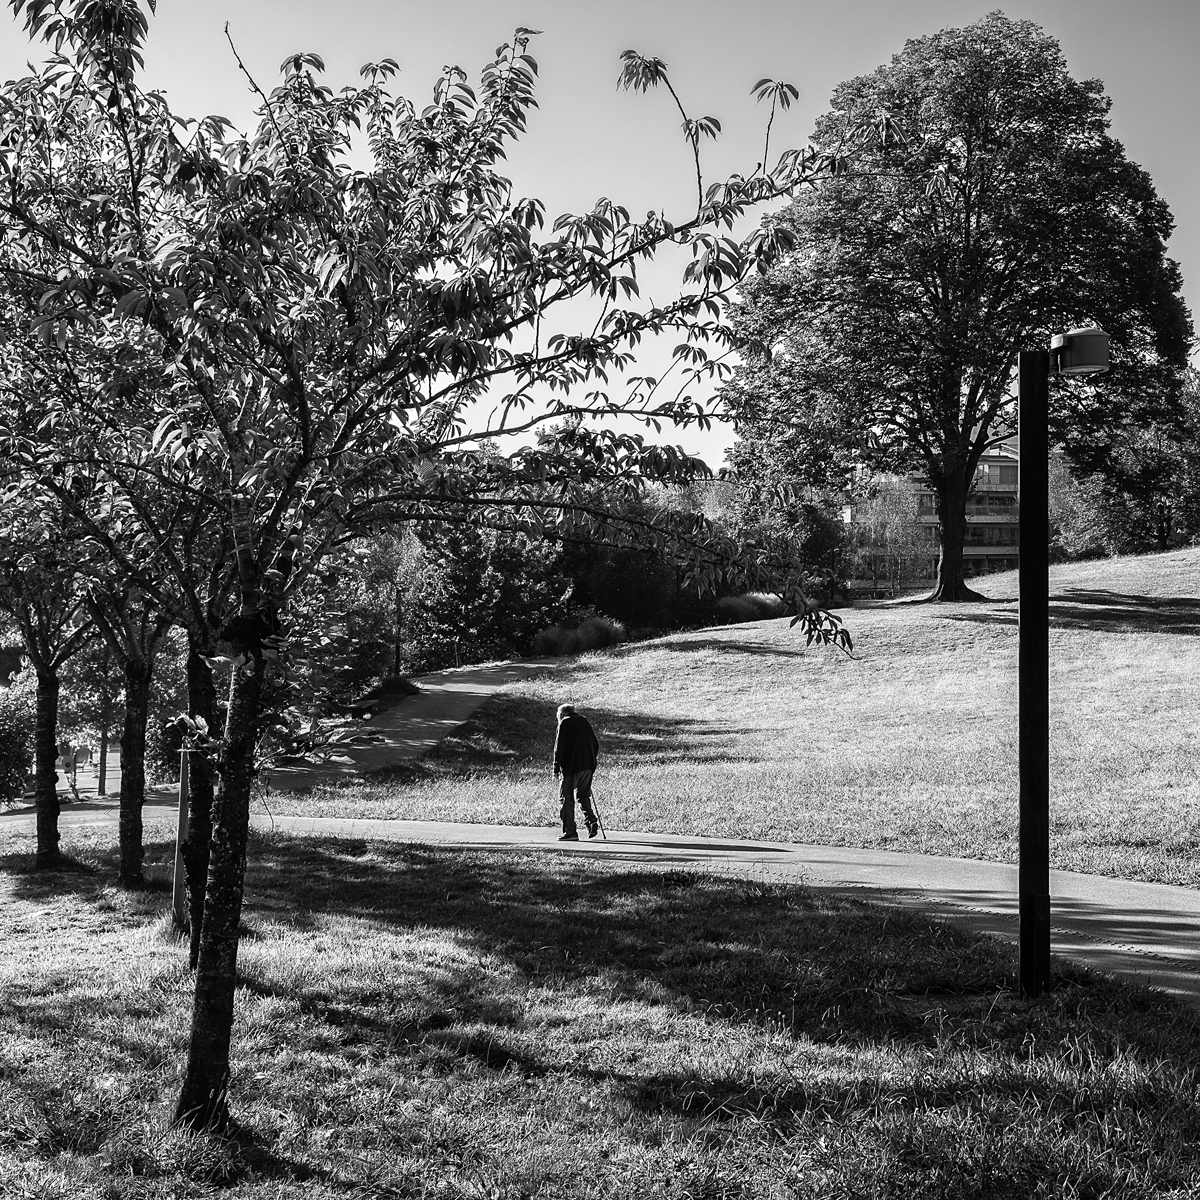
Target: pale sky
(588, 140)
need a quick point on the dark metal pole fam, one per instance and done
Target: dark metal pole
(1034, 682)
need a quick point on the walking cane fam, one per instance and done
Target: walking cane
(596, 810)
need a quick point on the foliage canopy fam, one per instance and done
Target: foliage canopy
(225, 355)
(996, 211)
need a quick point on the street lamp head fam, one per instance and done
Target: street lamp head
(1080, 351)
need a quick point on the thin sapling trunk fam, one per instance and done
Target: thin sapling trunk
(133, 771)
(202, 703)
(45, 774)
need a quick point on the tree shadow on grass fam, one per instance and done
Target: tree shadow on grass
(69, 875)
(436, 1021)
(87, 874)
(981, 618)
(739, 951)
(491, 936)
(1119, 612)
(1106, 611)
(726, 646)
(826, 967)
(731, 954)
(517, 732)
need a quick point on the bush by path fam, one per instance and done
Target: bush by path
(593, 633)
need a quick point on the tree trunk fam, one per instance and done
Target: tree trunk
(133, 771)
(1162, 532)
(203, 1101)
(202, 703)
(952, 513)
(102, 765)
(397, 615)
(45, 744)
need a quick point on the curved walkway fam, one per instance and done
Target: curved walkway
(1148, 933)
(415, 725)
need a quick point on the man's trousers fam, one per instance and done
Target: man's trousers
(576, 785)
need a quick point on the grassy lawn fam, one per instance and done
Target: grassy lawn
(415, 1022)
(910, 745)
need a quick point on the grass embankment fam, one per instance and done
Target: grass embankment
(911, 745)
(423, 1023)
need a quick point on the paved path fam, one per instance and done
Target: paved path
(415, 725)
(1149, 933)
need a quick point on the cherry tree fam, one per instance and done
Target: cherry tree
(258, 350)
(44, 595)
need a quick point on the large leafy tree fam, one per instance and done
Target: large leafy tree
(1148, 497)
(256, 349)
(996, 211)
(1155, 477)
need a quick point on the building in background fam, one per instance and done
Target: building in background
(894, 539)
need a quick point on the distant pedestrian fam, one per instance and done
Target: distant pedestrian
(575, 752)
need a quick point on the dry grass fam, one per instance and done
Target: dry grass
(912, 745)
(422, 1023)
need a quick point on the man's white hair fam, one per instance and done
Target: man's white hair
(565, 710)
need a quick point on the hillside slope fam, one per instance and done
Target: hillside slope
(910, 745)
(1175, 573)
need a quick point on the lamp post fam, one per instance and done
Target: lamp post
(1077, 352)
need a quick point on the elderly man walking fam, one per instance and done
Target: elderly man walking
(575, 753)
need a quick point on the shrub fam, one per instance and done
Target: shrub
(592, 633)
(749, 606)
(733, 610)
(555, 642)
(16, 741)
(598, 632)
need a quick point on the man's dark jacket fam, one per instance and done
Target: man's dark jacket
(575, 745)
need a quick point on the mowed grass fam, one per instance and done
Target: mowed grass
(910, 745)
(415, 1022)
